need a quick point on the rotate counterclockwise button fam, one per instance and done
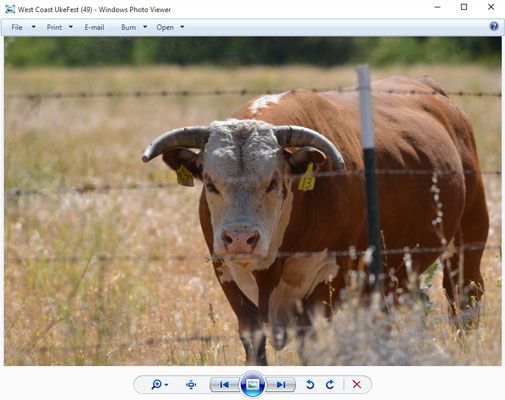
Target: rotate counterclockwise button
(252, 384)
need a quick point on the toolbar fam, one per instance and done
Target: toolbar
(253, 384)
(252, 27)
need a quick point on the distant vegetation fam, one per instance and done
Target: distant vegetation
(322, 51)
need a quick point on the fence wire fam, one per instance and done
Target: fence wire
(226, 92)
(204, 338)
(89, 188)
(351, 252)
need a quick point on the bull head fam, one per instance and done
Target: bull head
(246, 167)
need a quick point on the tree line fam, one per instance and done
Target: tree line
(232, 51)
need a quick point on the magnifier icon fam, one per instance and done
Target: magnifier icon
(156, 384)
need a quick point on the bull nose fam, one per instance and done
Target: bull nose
(240, 242)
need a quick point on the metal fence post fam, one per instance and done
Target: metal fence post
(372, 201)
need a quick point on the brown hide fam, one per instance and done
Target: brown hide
(413, 132)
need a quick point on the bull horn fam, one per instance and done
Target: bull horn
(190, 137)
(298, 136)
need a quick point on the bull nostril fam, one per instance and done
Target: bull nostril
(226, 238)
(253, 240)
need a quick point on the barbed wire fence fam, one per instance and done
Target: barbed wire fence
(352, 252)
(92, 189)
(227, 92)
(89, 188)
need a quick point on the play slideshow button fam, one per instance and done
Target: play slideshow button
(281, 384)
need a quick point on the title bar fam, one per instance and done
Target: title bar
(254, 9)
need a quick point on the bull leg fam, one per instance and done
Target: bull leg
(323, 303)
(462, 280)
(304, 333)
(463, 284)
(249, 325)
(254, 341)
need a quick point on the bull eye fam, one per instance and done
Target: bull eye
(211, 188)
(272, 186)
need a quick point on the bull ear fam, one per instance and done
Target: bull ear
(300, 159)
(178, 156)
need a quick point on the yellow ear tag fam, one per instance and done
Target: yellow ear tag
(184, 177)
(308, 180)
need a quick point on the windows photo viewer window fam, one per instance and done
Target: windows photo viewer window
(252, 199)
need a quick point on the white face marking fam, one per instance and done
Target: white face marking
(300, 277)
(263, 101)
(241, 161)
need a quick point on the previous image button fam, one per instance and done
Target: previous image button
(225, 384)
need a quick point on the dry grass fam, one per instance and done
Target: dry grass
(132, 311)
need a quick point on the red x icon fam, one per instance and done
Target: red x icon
(356, 384)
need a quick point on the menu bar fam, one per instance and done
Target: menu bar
(252, 27)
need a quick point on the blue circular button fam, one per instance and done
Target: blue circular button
(494, 26)
(252, 384)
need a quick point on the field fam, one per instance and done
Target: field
(113, 306)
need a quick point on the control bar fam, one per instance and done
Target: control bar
(199, 384)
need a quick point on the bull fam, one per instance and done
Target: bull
(276, 249)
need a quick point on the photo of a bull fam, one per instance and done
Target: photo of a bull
(272, 244)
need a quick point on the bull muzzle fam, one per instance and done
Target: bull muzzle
(240, 242)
